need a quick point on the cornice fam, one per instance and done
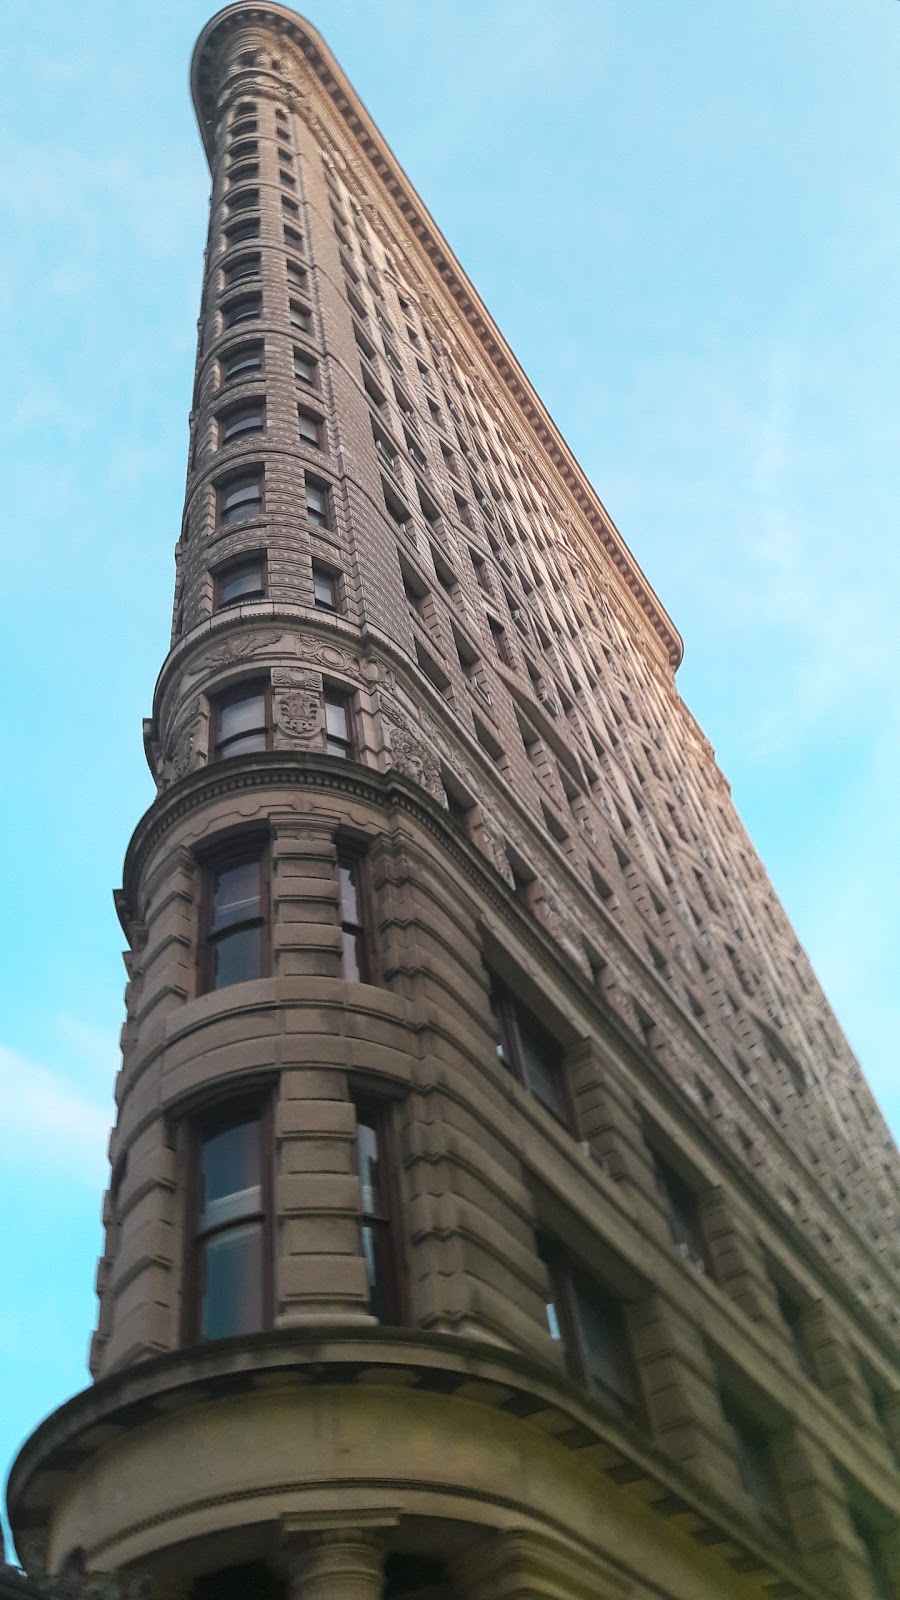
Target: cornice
(523, 1389)
(393, 180)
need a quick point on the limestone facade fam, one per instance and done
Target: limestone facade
(612, 1308)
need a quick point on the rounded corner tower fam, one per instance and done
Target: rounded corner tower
(496, 1209)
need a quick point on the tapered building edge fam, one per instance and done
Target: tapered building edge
(456, 1452)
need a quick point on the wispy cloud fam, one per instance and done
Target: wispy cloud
(48, 1122)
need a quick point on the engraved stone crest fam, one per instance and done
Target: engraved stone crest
(297, 703)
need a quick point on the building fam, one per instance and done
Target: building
(495, 1208)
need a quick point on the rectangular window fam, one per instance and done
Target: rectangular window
(241, 497)
(235, 919)
(317, 504)
(240, 232)
(682, 1209)
(301, 316)
(229, 1275)
(590, 1323)
(246, 200)
(376, 1221)
(338, 734)
(325, 587)
(529, 1052)
(239, 422)
(310, 427)
(246, 361)
(245, 267)
(242, 721)
(753, 1448)
(240, 580)
(296, 275)
(354, 953)
(294, 241)
(248, 308)
(305, 369)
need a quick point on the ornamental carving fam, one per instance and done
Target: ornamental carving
(180, 753)
(326, 654)
(297, 705)
(416, 762)
(237, 648)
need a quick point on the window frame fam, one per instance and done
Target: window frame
(324, 518)
(219, 1116)
(754, 1456)
(338, 696)
(226, 485)
(377, 1113)
(243, 849)
(245, 374)
(245, 689)
(232, 565)
(315, 418)
(231, 308)
(321, 571)
(228, 421)
(312, 381)
(505, 1007)
(352, 860)
(685, 1228)
(571, 1284)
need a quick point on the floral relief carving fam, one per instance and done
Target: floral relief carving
(411, 757)
(237, 648)
(180, 750)
(297, 705)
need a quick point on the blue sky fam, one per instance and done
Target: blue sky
(682, 214)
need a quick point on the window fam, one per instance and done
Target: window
(235, 943)
(501, 643)
(310, 427)
(753, 1447)
(244, 361)
(317, 504)
(244, 267)
(378, 1233)
(325, 587)
(246, 169)
(248, 308)
(240, 580)
(354, 953)
(241, 497)
(244, 201)
(228, 1264)
(289, 207)
(683, 1213)
(529, 1051)
(590, 1324)
(241, 148)
(300, 316)
(305, 369)
(793, 1317)
(239, 232)
(242, 721)
(294, 241)
(338, 734)
(239, 421)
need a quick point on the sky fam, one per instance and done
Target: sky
(683, 217)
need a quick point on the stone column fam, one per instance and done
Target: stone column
(517, 1564)
(344, 1564)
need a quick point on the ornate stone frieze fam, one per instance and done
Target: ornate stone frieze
(296, 707)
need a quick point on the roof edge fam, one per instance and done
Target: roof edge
(393, 179)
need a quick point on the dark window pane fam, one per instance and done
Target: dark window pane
(243, 362)
(606, 1358)
(242, 716)
(540, 1065)
(246, 745)
(236, 894)
(323, 589)
(232, 1282)
(243, 582)
(242, 498)
(376, 1245)
(250, 419)
(237, 957)
(230, 1170)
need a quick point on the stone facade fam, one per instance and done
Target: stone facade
(617, 1313)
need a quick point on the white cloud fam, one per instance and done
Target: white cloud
(47, 1122)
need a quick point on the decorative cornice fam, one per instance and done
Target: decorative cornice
(387, 169)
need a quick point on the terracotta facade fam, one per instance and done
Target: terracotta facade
(612, 1308)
